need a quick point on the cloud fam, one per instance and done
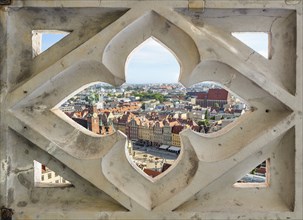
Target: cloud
(152, 52)
(152, 63)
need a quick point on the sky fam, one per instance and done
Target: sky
(151, 62)
(257, 41)
(50, 39)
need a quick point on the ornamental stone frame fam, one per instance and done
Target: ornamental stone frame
(200, 185)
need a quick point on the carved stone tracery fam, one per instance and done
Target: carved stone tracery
(96, 50)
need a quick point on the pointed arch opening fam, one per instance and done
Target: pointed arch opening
(151, 24)
(152, 62)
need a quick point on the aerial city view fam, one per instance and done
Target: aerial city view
(153, 115)
(153, 110)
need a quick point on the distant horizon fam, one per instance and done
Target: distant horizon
(163, 83)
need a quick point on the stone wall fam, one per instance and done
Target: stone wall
(200, 185)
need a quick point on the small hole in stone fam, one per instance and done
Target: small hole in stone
(261, 37)
(274, 130)
(44, 39)
(25, 127)
(25, 92)
(220, 144)
(258, 175)
(45, 177)
(267, 110)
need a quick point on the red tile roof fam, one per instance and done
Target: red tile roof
(261, 170)
(202, 95)
(217, 94)
(177, 129)
(165, 167)
(151, 173)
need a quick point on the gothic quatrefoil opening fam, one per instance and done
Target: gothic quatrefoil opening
(256, 133)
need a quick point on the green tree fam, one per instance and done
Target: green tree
(96, 97)
(203, 123)
(158, 97)
(92, 98)
(200, 123)
(143, 106)
(206, 114)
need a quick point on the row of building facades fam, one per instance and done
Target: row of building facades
(154, 132)
(148, 130)
(151, 129)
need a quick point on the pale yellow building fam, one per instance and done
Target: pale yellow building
(175, 135)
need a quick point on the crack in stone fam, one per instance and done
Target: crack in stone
(227, 83)
(272, 23)
(249, 56)
(17, 171)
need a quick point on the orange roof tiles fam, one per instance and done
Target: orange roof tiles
(217, 94)
(177, 129)
(151, 173)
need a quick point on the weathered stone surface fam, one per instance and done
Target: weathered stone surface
(106, 185)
